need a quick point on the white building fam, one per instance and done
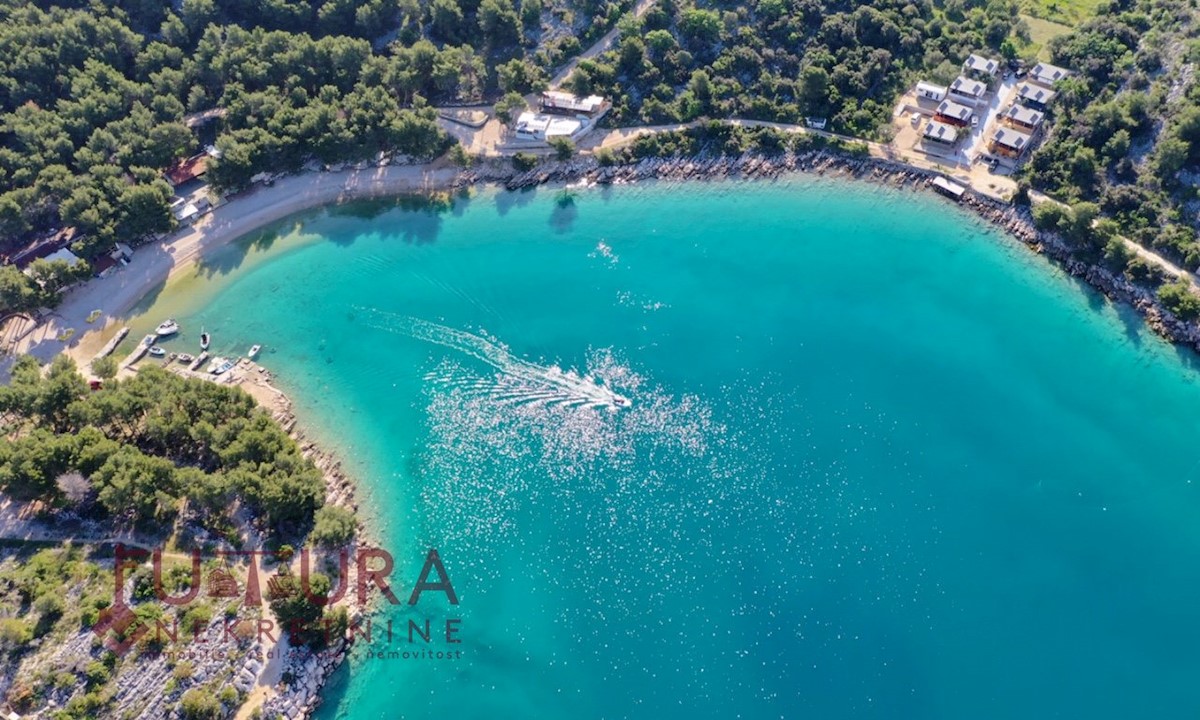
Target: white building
(543, 128)
(562, 103)
(929, 91)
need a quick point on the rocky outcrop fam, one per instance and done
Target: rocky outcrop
(306, 674)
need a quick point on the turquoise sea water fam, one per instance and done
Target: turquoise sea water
(880, 461)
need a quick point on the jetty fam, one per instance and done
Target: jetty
(136, 354)
(111, 345)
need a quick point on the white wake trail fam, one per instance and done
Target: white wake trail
(520, 380)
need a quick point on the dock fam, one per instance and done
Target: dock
(138, 353)
(111, 345)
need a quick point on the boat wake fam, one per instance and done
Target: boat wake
(517, 381)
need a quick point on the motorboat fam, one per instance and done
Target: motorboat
(149, 339)
(170, 327)
(184, 358)
(254, 350)
(156, 351)
(219, 365)
(204, 338)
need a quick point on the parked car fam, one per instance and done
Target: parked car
(974, 121)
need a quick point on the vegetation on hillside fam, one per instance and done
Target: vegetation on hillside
(783, 60)
(144, 450)
(1126, 128)
(95, 99)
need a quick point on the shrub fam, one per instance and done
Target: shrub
(14, 632)
(199, 704)
(1180, 299)
(183, 670)
(96, 673)
(524, 161)
(563, 148)
(105, 367)
(332, 527)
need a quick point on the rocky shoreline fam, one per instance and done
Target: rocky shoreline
(308, 671)
(300, 698)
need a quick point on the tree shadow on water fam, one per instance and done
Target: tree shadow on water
(508, 199)
(418, 220)
(562, 218)
(1132, 324)
(227, 259)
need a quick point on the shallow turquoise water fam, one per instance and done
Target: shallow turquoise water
(880, 461)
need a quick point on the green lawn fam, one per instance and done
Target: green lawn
(1070, 12)
(1041, 32)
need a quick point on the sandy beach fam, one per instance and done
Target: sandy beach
(153, 265)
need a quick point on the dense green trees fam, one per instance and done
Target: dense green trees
(95, 98)
(151, 446)
(782, 61)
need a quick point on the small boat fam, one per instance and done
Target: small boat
(170, 327)
(219, 365)
(620, 401)
(184, 358)
(204, 340)
(156, 351)
(149, 340)
(254, 350)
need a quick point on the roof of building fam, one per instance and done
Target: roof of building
(967, 86)
(65, 255)
(923, 86)
(186, 212)
(949, 108)
(980, 63)
(1024, 115)
(1035, 93)
(935, 130)
(186, 170)
(545, 126)
(567, 101)
(1048, 74)
(102, 263)
(1014, 139)
(950, 187)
